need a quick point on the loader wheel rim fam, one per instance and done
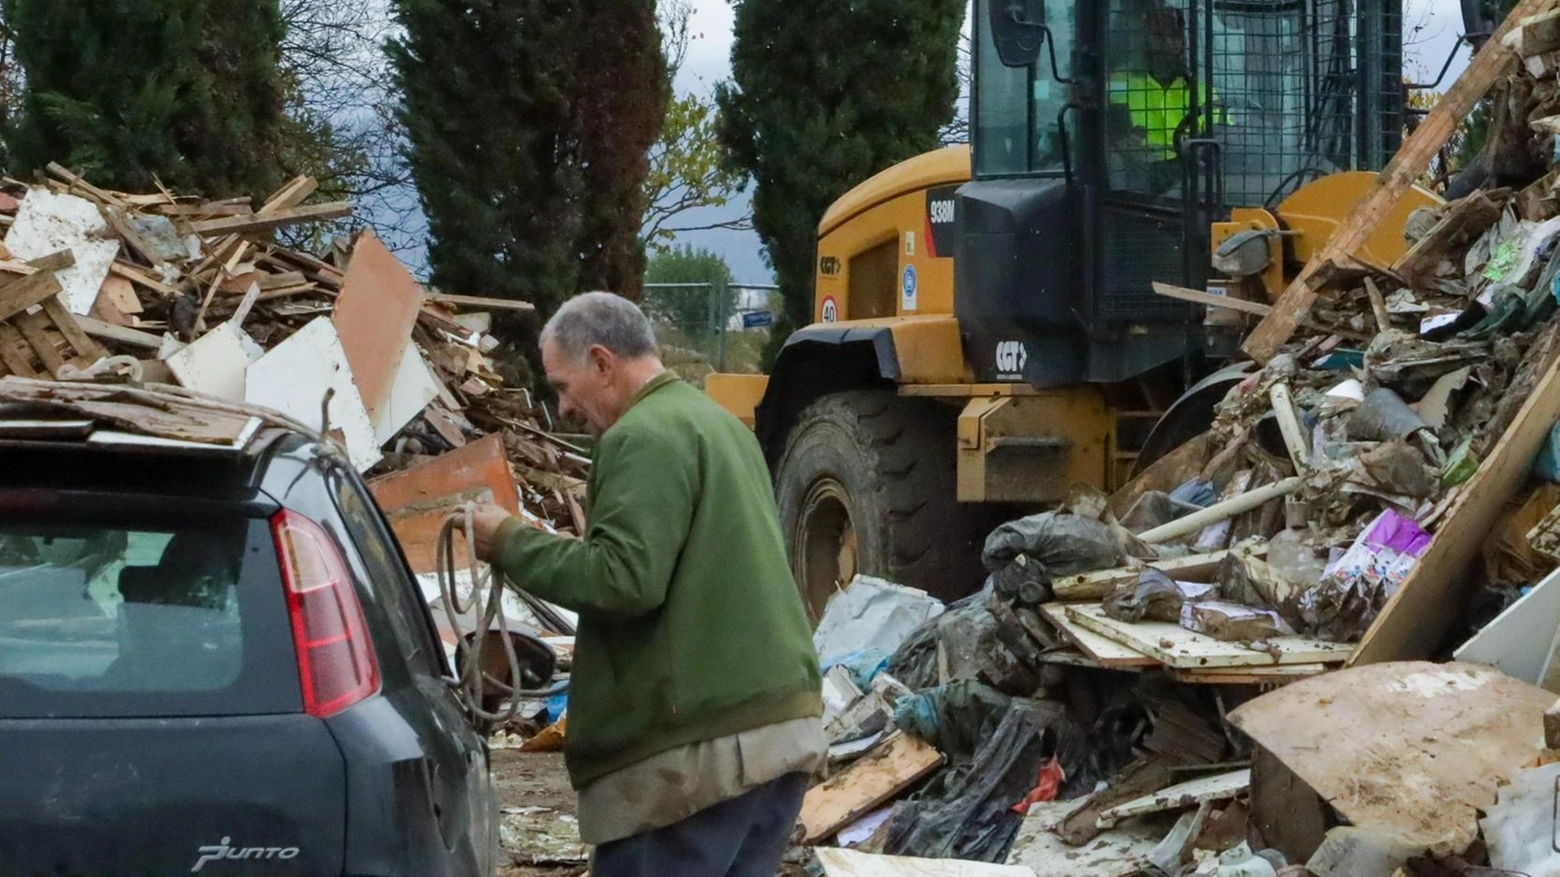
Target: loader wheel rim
(827, 539)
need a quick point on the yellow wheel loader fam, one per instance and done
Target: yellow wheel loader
(987, 332)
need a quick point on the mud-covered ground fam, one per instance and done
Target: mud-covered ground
(539, 808)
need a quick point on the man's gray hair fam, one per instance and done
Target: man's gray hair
(603, 318)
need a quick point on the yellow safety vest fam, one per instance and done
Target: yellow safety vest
(1157, 109)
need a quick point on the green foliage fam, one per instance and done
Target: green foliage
(691, 306)
(687, 172)
(824, 95)
(132, 91)
(528, 124)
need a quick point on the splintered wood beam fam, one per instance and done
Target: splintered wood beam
(480, 303)
(272, 221)
(1494, 61)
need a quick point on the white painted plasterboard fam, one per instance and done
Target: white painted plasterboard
(216, 362)
(1519, 640)
(47, 223)
(294, 377)
(414, 387)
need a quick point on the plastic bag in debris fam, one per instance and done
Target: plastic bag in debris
(1232, 622)
(871, 614)
(1383, 415)
(1063, 543)
(1196, 492)
(1357, 584)
(1548, 465)
(1242, 862)
(966, 812)
(863, 665)
(1152, 509)
(1153, 596)
(1047, 786)
(953, 718)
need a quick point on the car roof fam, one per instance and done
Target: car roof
(155, 437)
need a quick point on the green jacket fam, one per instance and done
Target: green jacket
(691, 627)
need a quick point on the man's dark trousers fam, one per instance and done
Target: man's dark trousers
(746, 836)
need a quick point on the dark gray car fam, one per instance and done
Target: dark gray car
(215, 660)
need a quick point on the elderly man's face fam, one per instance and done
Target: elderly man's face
(588, 387)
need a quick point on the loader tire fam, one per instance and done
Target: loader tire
(866, 485)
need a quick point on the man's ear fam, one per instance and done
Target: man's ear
(601, 359)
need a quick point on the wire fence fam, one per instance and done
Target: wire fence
(705, 328)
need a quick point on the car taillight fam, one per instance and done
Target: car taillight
(335, 658)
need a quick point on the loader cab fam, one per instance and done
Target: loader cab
(1108, 137)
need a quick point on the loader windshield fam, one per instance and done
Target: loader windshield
(1019, 120)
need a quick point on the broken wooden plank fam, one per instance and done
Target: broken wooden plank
(1296, 438)
(374, 315)
(19, 295)
(1464, 220)
(136, 276)
(76, 182)
(35, 328)
(472, 301)
(850, 863)
(65, 321)
(1178, 647)
(295, 378)
(203, 211)
(1105, 651)
(891, 768)
(1208, 299)
(290, 196)
(1221, 787)
(119, 334)
(1492, 62)
(15, 352)
(1418, 615)
(272, 221)
(1193, 568)
(1281, 675)
(1412, 749)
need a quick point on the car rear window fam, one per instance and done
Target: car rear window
(133, 619)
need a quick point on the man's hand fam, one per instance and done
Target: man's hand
(485, 519)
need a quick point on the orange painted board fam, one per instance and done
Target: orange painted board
(374, 316)
(418, 500)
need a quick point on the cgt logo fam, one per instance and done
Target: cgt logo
(1011, 358)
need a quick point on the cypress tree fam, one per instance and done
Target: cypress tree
(824, 94)
(128, 91)
(529, 123)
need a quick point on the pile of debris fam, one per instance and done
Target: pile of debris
(161, 288)
(1154, 682)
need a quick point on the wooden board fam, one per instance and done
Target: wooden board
(1208, 299)
(472, 301)
(271, 221)
(849, 863)
(877, 777)
(1492, 62)
(1280, 675)
(418, 500)
(23, 293)
(1221, 787)
(1413, 749)
(374, 316)
(1178, 647)
(133, 337)
(1418, 616)
(1107, 652)
(1097, 585)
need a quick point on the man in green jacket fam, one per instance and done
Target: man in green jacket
(694, 709)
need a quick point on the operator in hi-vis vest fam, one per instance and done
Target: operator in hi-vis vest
(1151, 106)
